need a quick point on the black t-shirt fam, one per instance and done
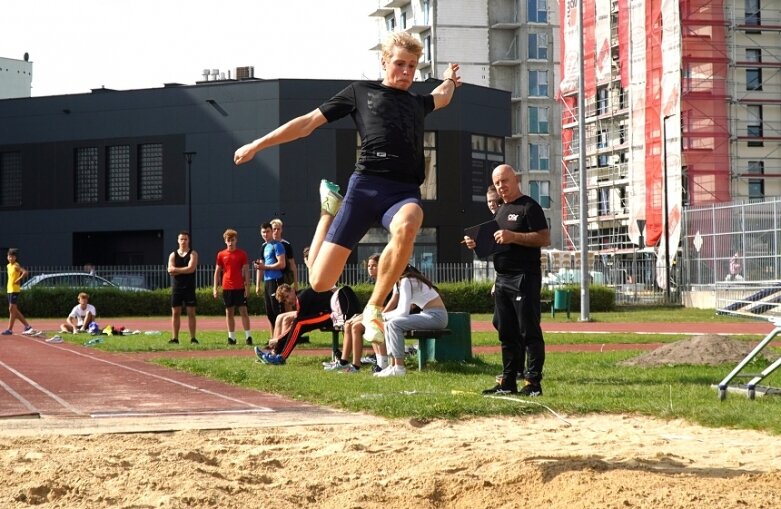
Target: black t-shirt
(522, 215)
(182, 281)
(390, 123)
(287, 274)
(312, 303)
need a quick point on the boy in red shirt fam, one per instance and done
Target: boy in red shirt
(233, 267)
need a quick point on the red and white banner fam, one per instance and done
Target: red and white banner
(570, 65)
(602, 41)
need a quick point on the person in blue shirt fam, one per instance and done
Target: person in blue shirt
(270, 269)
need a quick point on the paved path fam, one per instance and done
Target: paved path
(217, 323)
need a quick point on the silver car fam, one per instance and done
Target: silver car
(79, 280)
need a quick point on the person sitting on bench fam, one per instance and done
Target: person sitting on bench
(412, 288)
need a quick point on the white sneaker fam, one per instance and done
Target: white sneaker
(29, 331)
(330, 199)
(375, 327)
(55, 339)
(392, 370)
(333, 366)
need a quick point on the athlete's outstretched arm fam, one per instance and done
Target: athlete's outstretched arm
(299, 127)
(444, 92)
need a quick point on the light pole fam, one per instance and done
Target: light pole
(188, 157)
(666, 213)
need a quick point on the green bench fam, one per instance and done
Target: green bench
(453, 344)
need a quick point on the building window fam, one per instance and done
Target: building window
(602, 100)
(754, 79)
(426, 8)
(427, 48)
(537, 11)
(603, 205)
(118, 169)
(539, 157)
(487, 154)
(538, 120)
(538, 46)
(403, 20)
(424, 254)
(428, 190)
(86, 184)
(538, 83)
(601, 144)
(10, 179)
(390, 23)
(753, 13)
(540, 191)
(754, 125)
(756, 187)
(754, 74)
(150, 171)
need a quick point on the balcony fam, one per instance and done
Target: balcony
(380, 12)
(396, 3)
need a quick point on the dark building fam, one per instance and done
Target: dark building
(104, 177)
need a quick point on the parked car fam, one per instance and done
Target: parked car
(130, 280)
(79, 280)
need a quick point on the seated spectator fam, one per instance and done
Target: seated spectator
(412, 289)
(313, 311)
(80, 316)
(352, 349)
(286, 296)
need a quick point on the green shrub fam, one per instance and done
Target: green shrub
(469, 297)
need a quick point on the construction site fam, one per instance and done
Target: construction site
(682, 109)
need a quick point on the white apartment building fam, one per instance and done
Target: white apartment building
(682, 107)
(16, 78)
(505, 44)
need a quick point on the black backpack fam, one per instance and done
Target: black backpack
(344, 305)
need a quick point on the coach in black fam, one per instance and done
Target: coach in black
(522, 227)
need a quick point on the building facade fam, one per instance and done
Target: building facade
(505, 44)
(682, 107)
(111, 177)
(16, 77)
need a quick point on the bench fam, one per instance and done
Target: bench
(427, 342)
(451, 344)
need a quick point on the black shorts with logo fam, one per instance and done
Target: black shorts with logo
(183, 297)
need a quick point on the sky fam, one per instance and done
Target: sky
(78, 45)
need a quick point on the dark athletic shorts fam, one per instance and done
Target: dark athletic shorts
(234, 298)
(369, 200)
(13, 298)
(184, 297)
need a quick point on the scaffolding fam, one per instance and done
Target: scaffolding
(670, 117)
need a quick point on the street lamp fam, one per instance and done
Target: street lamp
(666, 213)
(188, 157)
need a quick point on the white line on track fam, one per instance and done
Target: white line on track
(163, 378)
(33, 383)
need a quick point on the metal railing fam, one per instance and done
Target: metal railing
(156, 276)
(633, 279)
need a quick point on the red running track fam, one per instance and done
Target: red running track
(40, 379)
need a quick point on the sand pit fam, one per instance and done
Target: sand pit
(589, 462)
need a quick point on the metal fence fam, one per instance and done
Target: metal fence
(633, 279)
(156, 276)
(731, 242)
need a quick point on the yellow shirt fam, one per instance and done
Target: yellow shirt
(13, 274)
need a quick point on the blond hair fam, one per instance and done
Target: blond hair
(84, 295)
(230, 234)
(282, 291)
(402, 40)
(276, 223)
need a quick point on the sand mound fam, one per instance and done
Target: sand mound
(709, 349)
